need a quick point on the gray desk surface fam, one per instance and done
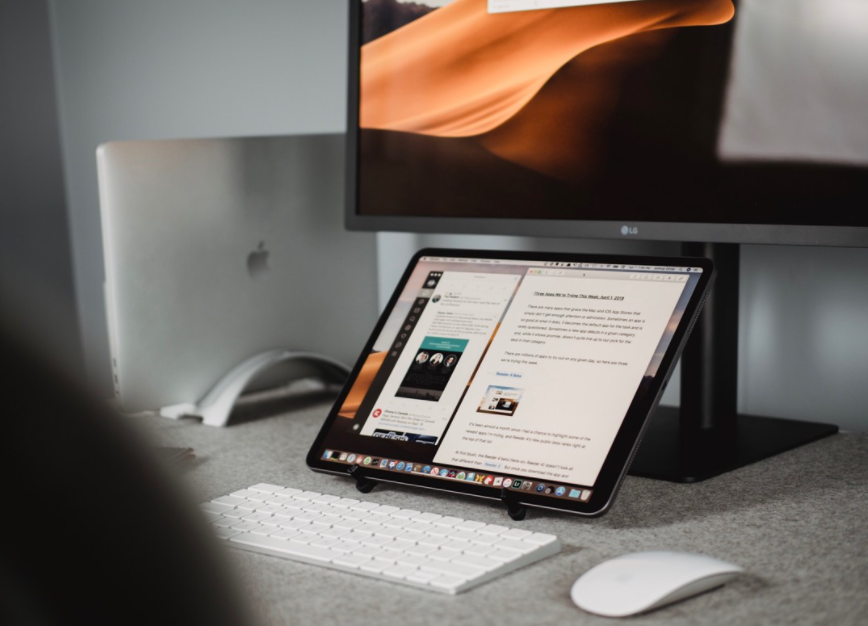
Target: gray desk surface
(796, 523)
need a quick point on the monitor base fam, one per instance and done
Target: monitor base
(668, 453)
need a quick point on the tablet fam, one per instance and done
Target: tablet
(523, 377)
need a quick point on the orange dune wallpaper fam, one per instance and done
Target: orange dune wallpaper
(361, 385)
(488, 67)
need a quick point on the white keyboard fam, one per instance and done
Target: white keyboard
(423, 550)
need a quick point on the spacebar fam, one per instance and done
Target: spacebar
(289, 548)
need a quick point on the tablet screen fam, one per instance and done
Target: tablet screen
(504, 373)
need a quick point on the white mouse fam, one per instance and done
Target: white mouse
(634, 583)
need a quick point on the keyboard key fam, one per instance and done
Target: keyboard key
(456, 546)
(314, 528)
(357, 515)
(326, 499)
(375, 540)
(280, 500)
(351, 560)
(377, 518)
(284, 533)
(512, 544)
(344, 503)
(347, 524)
(226, 533)
(216, 507)
(431, 540)
(369, 528)
(368, 551)
(408, 559)
(399, 571)
(419, 527)
(492, 529)
(325, 542)
(399, 544)
(441, 555)
(230, 501)
(449, 583)
(364, 506)
(479, 550)
(345, 546)
(307, 495)
(477, 561)
(540, 539)
(385, 531)
(387, 510)
(420, 550)
(409, 535)
(485, 540)
(266, 488)
(463, 535)
(396, 522)
(375, 566)
(516, 533)
(503, 555)
(468, 525)
(259, 496)
(270, 509)
(293, 523)
(420, 576)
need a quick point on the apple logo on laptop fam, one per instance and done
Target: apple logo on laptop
(257, 262)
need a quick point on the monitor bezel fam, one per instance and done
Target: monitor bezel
(776, 234)
(629, 435)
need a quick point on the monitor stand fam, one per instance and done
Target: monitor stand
(706, 436)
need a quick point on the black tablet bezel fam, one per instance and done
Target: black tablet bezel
(629, 435)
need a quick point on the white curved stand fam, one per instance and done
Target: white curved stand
(214, 408)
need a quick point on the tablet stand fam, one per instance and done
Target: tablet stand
(516, 511)
(214, 408)
(363, 483)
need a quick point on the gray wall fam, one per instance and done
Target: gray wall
(34, 234)
(183, 69)
(138, 70)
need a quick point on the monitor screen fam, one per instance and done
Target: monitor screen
(611, 113)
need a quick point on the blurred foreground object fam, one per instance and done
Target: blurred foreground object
(99, 533)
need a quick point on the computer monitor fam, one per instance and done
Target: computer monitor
(707, 121)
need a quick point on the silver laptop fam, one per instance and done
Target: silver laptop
(218, 250)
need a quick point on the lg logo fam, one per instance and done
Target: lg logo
(629, 230)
